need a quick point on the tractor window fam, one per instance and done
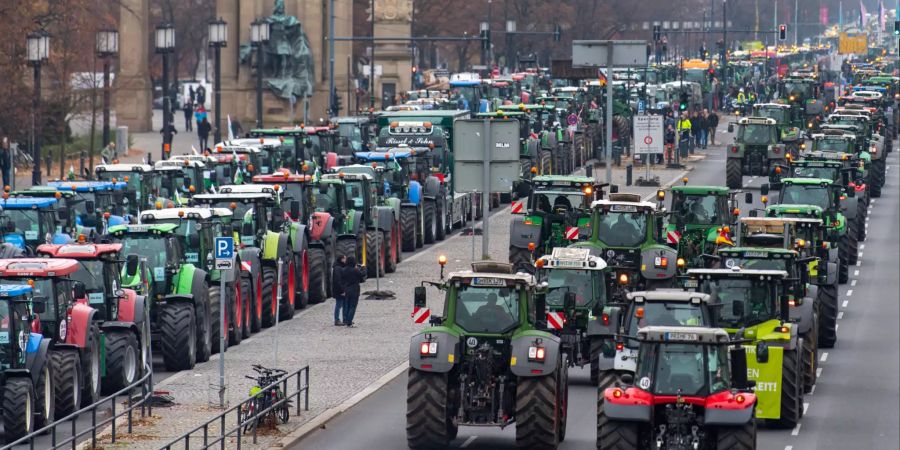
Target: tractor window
(557, 202)
(355, 195)
(173, 184)
(151, 249)
(43, 287)
(773, 113)
(798, 194)
(5, 335)
(687, 369)
(833, 145)
(828, 173)
(757, 296)
(759, 263)
(486, 310)
(699, 209)
(569, 280)
(26, 222)
(191, 238)
(674, 314)
(90, 272)
(622, 229)
(753, 134)
(326, 201)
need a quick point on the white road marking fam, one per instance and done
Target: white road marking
(840, 315)
(788, 447)
(855, 273)
(873, 201)
(860, 255)
(862, 246)
(824, 357)
(852, 282)
(813, 390)
(858, 263)
(849, 292)
(836, 326)
(796, 430)
(468, 441)
(805, 408)
(818, 372)
(844, 305)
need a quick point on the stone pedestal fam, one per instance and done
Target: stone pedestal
(133, 99)
(395, 61)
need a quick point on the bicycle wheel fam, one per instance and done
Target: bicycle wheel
(284, 413)
(246, 415)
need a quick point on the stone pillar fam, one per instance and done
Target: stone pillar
(393, 18)
(133, 100)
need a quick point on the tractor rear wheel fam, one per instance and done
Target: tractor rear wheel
(200, 291)
(18, 408)
(269, 299)
(810, 355)
(90, 360)
(66, 372)
(843, 272)
(440, 217)
(827, 298)
(408, 224)
(614, 434)
(122, 366)
(391, 248)
(430, 221)
(288, 301)
(596, 351)
(374, 252)
(791, 389)
(733, 173)
(520, 258)
(737, 438)
(317, 280)
(429, 423)
(537, 412)
(853, 244)
(256, 300)
(345, 247)
(235, 313)
(43, 397)
(247, 298)
(178, 336)
(216, 302)
(303, 285)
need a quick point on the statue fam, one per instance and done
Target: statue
(288, 67)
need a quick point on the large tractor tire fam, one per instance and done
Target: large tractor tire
(537, 412)
(392, 248)
(791, 389)
(843, 272)
(235, 313)
(851, 242)
(408, 225)
(596, 352)
(734, 177)
(861, 214)
(375, 253)
(246, 286)
(122, 361)
(430, 221)
(318, 281)
(255, 301)
(429, 423)
(562, 400)
(91, 368)
(346, 247)
(216, 302)
(613, 434)
(289, 294)
(520, 258)
(810, 355)
(18, 408)
(44, 398)
(736, 438)
(440, 218)
(67, 380)
(178, 336)
(269, 295)
(203, 316)
(828, 311)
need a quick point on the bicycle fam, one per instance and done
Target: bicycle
(265, 393)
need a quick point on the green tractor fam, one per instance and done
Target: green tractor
(179, 179)
(802, 95)
(625, 232)
(141, 184)
(180, 319)
(487, 362)
(789, 133)
(580, 329)
(756, 150)
(699, 222)
(755, 307)
(555, 214)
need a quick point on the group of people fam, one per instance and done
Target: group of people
(696, 128)
(346, 278)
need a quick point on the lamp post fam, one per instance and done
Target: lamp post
(107, 48)
(510, 32)
(38, 48)
(485, 31)
(218, 38)
(259, 36)
(165, 44)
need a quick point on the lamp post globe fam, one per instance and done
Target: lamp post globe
(218, 38)
(37, 52)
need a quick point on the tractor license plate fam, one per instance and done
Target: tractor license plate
(493, 282)
(676, 336)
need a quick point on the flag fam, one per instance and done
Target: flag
(230, 130)
(723, 238)
(862, 15)
(881, 15)
(194, 149)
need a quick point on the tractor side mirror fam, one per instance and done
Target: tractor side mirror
(419, 297)
(277, 218)
(89, 206)
(39, 305)
(737, 309)
(738, 360)
(762, 352)
(131, 265)
(748, 198)
(247, 229)
(62, 213)
(295, 209)
(731, 128)
(627, 379)
(764, 189)
(540, 311)
(569, 301)
(78, 290)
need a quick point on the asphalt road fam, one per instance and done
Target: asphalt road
(856, 403)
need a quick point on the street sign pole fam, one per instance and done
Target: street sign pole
(486, 193)
(224, 256)
(277, 311)
(609, 112)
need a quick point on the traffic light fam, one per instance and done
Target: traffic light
(486, 39)
(897, 28)
(683, 102)
(337, 104)
(782, 32)
(557, 33)
(656, 34)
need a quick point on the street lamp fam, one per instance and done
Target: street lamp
(485, 34)
(38, 51)
(218, 38)
(107, 48)
(165, 44)
(510, 32)
(259, 35)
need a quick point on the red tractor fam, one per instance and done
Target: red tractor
(122, 314)
(76, 348)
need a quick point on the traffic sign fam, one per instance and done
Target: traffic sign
(224, 252)
(572, 119)
(641, 106)
(648, 135)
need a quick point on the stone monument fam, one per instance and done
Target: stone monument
(132, 84)
(393, 18)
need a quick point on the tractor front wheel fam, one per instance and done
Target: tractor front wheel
(614, 434)
(440, 217)
(392, 249)
(408, 228)
(216, 302)
(269, 296)
(91, 369)
(178, 336)
(66, 373)
(791, 389)
(43, 397)
(733, 173)
(430, 221)
(121, 361)
(18, 408)
(828, 309)
(317, 280)
(374, 252)
(236, 316)
(737, 438)
(247, 304)
(537, 412)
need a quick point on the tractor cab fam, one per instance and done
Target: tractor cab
(99, 270)
(157, 255)
(273, 154)
(698, 218)
(298, 192)
(195, 227)
(90, 201)
(354, 135)
(236, 162)
(141, 184)
(27, 222)
(781, 114)
(180, 179)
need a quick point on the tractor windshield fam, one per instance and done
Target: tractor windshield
(656, 313)
(132, 179)
(686, 369)
(797, 90)
(759, 263)
(353, 133)
(559, 202)
(151, 248)
(570, 280)
(773, 113)
(798, 194)
(828, 173)
(833, 145)
(326, 198)
(174, 184)
(355, 195)
(622, 229)
(26, 221)
(486, 309)
(745, 302)
(43, 288)
(90, 272)
(700, 209)
(190, 233)
(756, 134)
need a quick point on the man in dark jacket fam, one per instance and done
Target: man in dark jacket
(352, 275)
(712, 122)
(337, 288)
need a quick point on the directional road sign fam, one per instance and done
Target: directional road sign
(224, 252)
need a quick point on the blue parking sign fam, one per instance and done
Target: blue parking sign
(224, 252)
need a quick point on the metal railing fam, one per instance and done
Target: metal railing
(146, 385)
(302, 388)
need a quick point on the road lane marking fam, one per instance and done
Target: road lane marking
(796, 430)
(788, 447)
(852, 282)
(819, 372)
(862, 246)
(860, 255)
(837, 326)
(855, 273)
(844, 305)
(813, 390)
(840, 315)
(805, 408)
(858, 263)
(824, 357)
(468, 441)
(849, 292)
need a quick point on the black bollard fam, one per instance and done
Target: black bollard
(628, 176)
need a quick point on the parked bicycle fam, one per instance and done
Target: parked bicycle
(266, 393)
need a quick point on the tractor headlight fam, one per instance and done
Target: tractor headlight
(536, 354)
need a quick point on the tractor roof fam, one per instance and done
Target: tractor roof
(812, 211)
(251, 142)
(384, 155)
(79, 251)
(702, 190)
(756, 252)
(231, 196)
(573, 258)
(176, 164)
(562, 180)
(670, 295)
(43, 191)
(37, 267)
(772, 105)
(697, 335)
(620, 206)
(491, 279)
(738, 272)
(347, 176)
(27, 203)
(201, 158)
(775, 223)
(757, 121)
(282, 177)
(824, 182)
(221, 152)
(257, 188)
(87, 186)
(832, 156)
(14, 290)
(123, 167)
(184, 213)
(156, 228)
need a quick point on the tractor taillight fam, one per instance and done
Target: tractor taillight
(605, 318)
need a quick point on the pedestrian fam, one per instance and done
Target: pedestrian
(712, 123)
(203, 130)
(703, 127)
(352, 275)
(337, 288)
(168, 137)
(108, 154)
(200, 114)
(188, 109)
(5, 160)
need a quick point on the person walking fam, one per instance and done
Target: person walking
(108, 154)
(203, 130)
(199, 114)
(703, 127)
(712, 122)
(352, 275)
(337, 288)
(188, 110)
(5, 160)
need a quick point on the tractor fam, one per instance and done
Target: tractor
(26, 372)
(700, 220)
(555, 214)
(487, 361)
(27, 222)
(691, 391)
(802, 95)
(576, 271)
(76, 343)
(179, 179)
(789, 133)
(755, 307)
(756, 150)
(93, 203)
(141, 185)
(121, 314)
(180, 322)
